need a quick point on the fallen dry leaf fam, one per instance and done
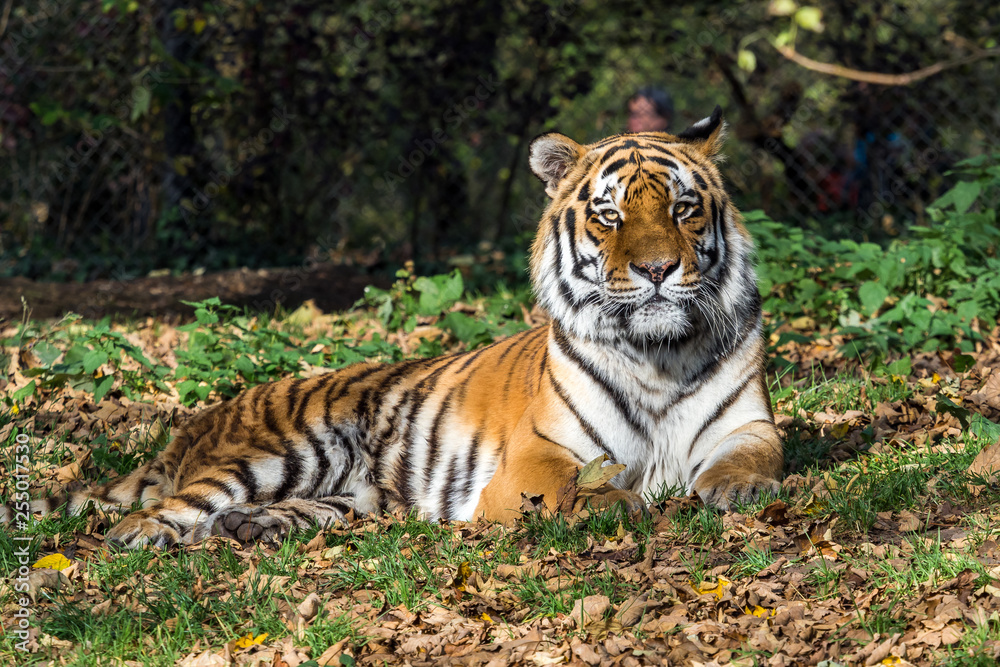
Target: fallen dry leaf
(987, 463)
(589, 609)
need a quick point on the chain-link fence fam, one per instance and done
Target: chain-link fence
(136, 134)
(877, 158)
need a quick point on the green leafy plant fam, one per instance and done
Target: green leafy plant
(228, 351)
(88, 359)
(925, 292)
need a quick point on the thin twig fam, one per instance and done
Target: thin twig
(6, 15)
(878, 77)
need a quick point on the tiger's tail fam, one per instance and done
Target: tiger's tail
(145, 485)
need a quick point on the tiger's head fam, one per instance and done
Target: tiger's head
(640, 240)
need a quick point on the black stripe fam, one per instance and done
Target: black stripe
(245, 476)
(319, 451)
(587, 427)
(197, 502)
(391, 381)
(543, 368)
(475, 355)
(404, 469)
(694, 470)
(144, 484)
(566, 347)
(721, 410)
(349, 382)
(656, 159)
(215, 484)
(292, 469)
(294, 392)
(349, 449)
(392, 422)
(434, 437)
(336, 503)
(365, 407)
(521, 345)
(271, 420)
(447, 501)
(613, 167)
(472, 460)
(539, 434)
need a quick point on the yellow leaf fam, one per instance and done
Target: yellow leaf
(718, 589)
(486, 617)
(593, 475)
(14, 409)
(53, 561)
(839, 431)
(464, 571)
(249, 640)
(935, 378)
(892, 660)
(199, 26)
(759, 611)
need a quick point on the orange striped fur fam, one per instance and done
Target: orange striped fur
(654, 357)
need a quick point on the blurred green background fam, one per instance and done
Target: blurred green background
(137, 135)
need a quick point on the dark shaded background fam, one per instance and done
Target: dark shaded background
(139, 135)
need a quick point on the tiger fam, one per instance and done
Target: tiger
(653, 356)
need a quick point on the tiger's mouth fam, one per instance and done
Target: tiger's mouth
(657, 317)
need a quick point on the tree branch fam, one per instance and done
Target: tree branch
(878, 77)
(5, 17)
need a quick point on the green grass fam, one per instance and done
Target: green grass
(412, 562)
(752, 560)
(163, 602)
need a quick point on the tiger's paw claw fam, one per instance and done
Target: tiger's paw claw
(138, 530)
(726, 489)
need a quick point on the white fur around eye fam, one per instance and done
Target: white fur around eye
(609, 217)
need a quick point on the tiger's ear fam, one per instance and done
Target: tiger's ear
(707, 134)
(552, 156)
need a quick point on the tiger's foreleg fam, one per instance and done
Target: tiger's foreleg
(534, 466)
(750, 466)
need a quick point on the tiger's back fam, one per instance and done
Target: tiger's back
(654, 357)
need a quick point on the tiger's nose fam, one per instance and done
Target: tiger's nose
(656, 272)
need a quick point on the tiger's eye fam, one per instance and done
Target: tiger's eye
(611, 216)
(681, 208)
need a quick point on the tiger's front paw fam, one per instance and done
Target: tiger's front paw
(141, 529)
(245, 524)
(725, 484)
